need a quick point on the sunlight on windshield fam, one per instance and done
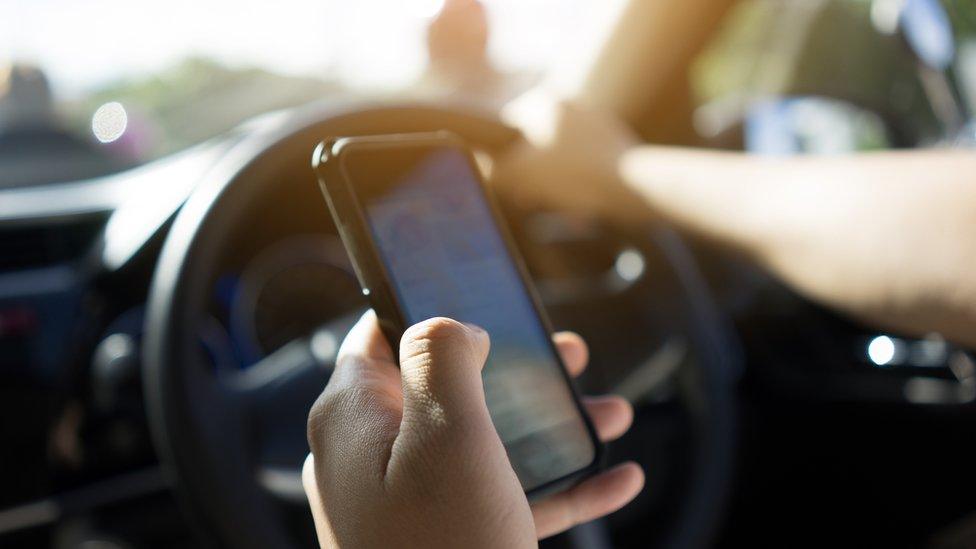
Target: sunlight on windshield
(184, 70)
(99, 40)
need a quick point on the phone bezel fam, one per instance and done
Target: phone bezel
(351, 221)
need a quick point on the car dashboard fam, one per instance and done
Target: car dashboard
(76, 261)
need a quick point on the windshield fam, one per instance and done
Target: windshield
(106, 84)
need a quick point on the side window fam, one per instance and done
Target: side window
(820, 76)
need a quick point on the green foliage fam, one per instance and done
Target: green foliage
(198, 99)
(963, 14)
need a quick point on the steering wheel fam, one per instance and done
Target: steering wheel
(234, 442)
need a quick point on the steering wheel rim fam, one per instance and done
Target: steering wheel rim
(201, 428)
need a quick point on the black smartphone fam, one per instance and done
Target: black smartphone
(426, 240)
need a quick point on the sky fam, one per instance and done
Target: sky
(363, 43)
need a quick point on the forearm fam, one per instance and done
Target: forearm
(889, 237)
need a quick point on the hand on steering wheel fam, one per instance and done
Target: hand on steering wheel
(411, 454)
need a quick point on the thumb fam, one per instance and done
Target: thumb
(440, 364)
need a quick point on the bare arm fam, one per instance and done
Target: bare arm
(889, 237)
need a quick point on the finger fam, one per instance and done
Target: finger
(440, 365)
(365, 340)
(573, 351)
(322, 529)
(611, 415)
(591, 499)
(366, 360)
(357, 416)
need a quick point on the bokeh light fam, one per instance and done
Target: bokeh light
(109, 122)
(881, 350)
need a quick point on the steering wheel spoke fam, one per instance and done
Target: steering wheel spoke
(274, 397)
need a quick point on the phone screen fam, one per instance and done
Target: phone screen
(445, 256)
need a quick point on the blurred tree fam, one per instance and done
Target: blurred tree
(198, 99)
(963, 14)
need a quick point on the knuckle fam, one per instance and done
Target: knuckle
(318, 422)
(443, 338)
(330, 409)
(438, 329)
(438, 373)
(353, 419)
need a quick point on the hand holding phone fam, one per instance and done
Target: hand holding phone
(425, 468)
(426, 241)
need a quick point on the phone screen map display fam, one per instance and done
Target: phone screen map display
(445, 256)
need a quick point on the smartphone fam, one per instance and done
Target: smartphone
(426, 240)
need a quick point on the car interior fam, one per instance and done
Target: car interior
(173, 290)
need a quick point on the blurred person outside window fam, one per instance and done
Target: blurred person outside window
(458, 64)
